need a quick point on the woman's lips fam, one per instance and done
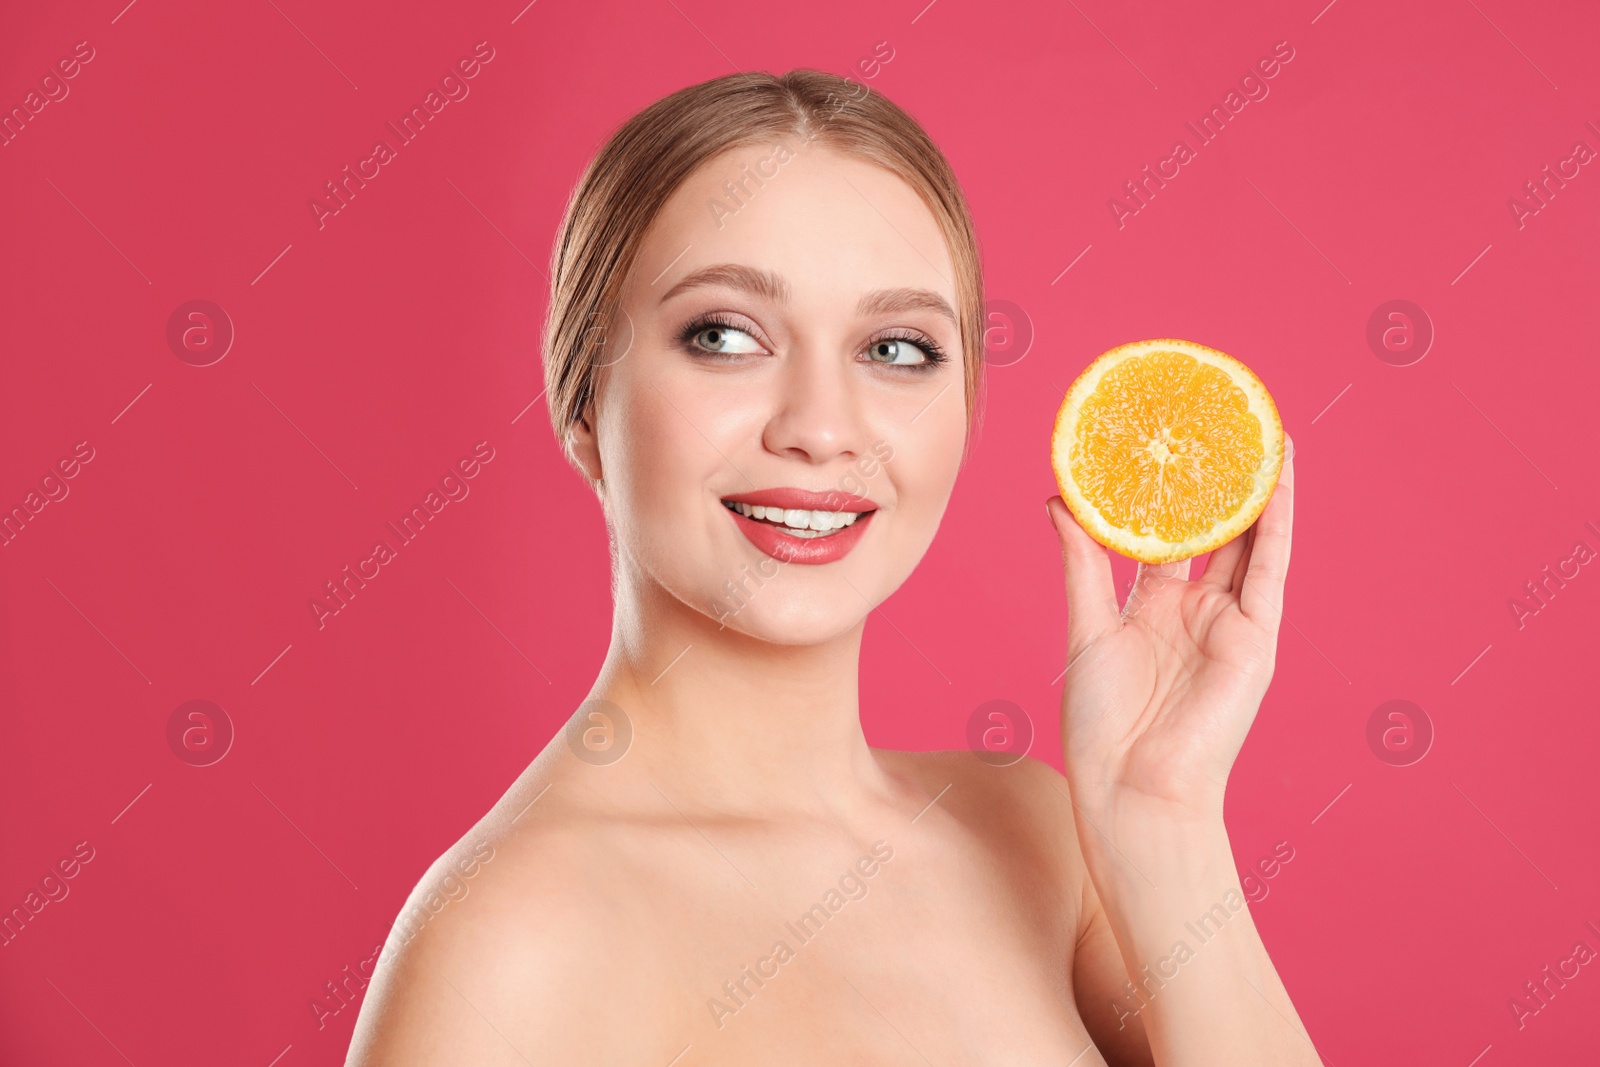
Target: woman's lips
(786, 548)
(805, 500)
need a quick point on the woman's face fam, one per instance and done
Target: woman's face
(781, 348)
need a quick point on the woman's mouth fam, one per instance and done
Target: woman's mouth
(797, 522)
(778, 522)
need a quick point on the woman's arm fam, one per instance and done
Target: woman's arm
(1159, 696)
(1204, 991)
(1100, 988)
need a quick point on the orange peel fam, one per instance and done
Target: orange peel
(1166, 449)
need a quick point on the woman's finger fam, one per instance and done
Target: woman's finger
(1151, 579)
(1261, 597)
(1236, 579)
(1091, 596)
(1221, 563)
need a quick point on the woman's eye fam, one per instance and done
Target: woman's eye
(896, 351)
(726, 340)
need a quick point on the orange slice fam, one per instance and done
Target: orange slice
(1165, 449)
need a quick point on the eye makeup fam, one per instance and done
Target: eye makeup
(723, 322)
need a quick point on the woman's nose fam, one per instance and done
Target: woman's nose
(817, 414)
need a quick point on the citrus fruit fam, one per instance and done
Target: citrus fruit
(1165, 449)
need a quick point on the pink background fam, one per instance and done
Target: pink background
(372, 353)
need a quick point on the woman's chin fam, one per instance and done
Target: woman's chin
(789, 627)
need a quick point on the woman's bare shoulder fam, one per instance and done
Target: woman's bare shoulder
(1020, 810)
(508, 936)
(995, 785)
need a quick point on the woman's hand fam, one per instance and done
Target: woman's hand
(1159, 695)
(1158, 699)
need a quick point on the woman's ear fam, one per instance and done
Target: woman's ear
(583, 445)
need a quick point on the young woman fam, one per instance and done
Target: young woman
(763, 352)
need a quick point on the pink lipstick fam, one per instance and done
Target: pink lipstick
(800, 525)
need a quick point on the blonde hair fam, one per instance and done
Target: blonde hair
(648, 157)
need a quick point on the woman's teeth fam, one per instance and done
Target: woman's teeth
(797, 522)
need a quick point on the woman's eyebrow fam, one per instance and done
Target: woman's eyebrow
(771, 287)
(763, 283)
(888, 301)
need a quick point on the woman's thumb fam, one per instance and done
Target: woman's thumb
(1091, 594)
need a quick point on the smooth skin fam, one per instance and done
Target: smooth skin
(969, 914)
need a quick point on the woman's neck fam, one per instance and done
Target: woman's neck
(735, 723)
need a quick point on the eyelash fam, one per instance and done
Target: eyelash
(929, 346)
